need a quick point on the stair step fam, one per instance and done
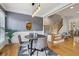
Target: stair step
(58, 41)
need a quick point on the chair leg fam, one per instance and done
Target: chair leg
(45, 53)
(28, 46)
(37, 53)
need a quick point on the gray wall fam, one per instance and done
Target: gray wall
(16, 21)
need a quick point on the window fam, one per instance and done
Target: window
(2, 27)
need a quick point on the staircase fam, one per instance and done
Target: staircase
(56, 28)
(60, 25)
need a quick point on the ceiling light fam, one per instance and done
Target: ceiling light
(77, 11)
(36, 10)
(71, 7)
(33, 4)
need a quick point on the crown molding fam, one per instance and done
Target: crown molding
(57, 10)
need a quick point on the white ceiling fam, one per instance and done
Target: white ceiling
(26, 8)
(70, 12)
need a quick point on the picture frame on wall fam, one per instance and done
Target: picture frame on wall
(29, 25)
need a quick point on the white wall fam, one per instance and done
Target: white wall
(75, 20)
(67, 22)
(65, 27)
(46, 21)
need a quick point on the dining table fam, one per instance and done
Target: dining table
(31, 41)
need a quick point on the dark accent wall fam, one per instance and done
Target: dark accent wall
(16, 21)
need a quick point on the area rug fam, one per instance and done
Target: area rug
(23, 51)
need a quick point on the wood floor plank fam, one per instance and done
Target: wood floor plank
(67, 48)
(10, 50)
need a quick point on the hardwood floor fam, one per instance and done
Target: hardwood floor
(10, 50)
(67, 48)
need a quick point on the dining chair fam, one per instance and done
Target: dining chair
(41, 45)
(23, 46)
(32, 38)
(20, 40)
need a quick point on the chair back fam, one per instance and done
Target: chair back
(19, 38)
(41, 43)
(31, 35)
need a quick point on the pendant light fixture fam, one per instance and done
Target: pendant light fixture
(37, 9)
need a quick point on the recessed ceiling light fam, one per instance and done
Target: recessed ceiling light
(77, 11)
(71, 7)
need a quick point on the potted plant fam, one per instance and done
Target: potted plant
(9, 34)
